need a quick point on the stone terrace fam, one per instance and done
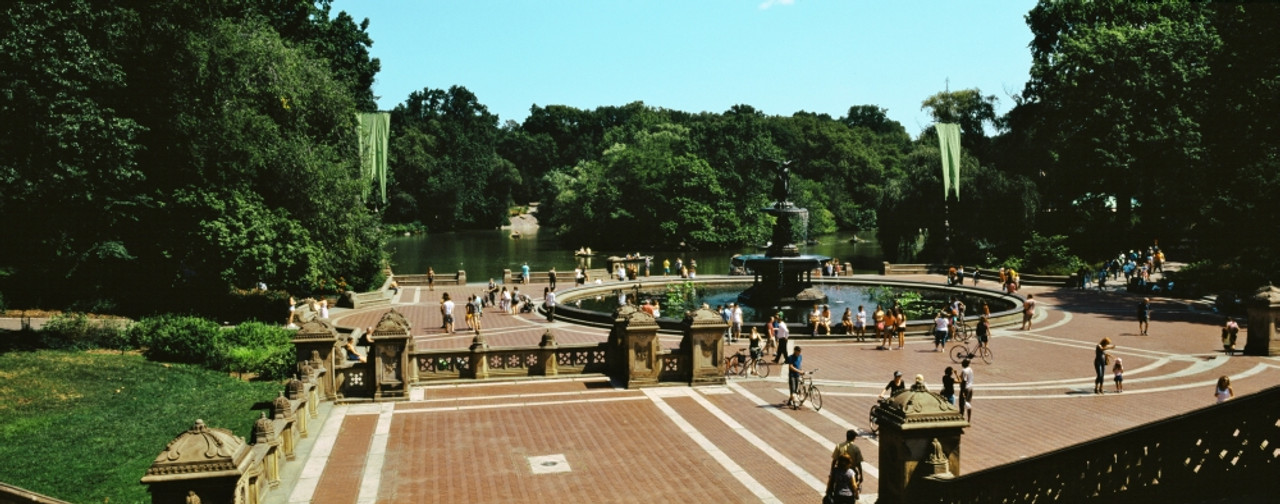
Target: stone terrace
(542, 440)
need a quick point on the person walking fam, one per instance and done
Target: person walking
(446, 309)
(431, 279)
(551, 278)
(941, 327)
(860, 323)
(1223, 391)
(1100, 358)
(842, 488)
(735, 321)
(853, 451)
(966, 390)
(1028, 311)
(795, 370)
(1118, 371)
(549, 300)
(949, 385)
(781, 333)
(1144, 316)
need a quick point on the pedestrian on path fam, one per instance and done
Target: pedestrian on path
(1118, 371)
(551, 278)
(1223, 390)
(852, 451)
(781, 333)
(966, 390)
(1100, 358)
(941, 327)
(446, 309)
(949, 385)
(1144, 315)
(795, 370)
(1230, 330)
(842, 488)
(1028, 311)
(431, 279)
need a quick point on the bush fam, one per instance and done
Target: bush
(1047, 255)
(76, 331)
(262, 349)
(179, 338)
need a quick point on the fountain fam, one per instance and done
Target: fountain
(782, 274)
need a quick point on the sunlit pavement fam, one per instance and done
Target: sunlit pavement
(540, 440)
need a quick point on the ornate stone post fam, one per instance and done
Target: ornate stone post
(208, 464)
(1264, 312)
(919, 437)
(264, 432)
(283, 413)
(703, 345)
(391, 356)
(636, 348)
(479, 357)
(316, 342)
(547, 364)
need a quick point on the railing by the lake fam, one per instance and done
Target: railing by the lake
(481, 361)
(1227, 452)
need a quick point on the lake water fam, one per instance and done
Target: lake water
(484, 254)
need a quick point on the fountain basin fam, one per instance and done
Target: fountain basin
(579, 305)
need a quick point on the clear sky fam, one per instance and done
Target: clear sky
(779, 56)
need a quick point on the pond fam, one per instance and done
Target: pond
(919, 303)
(483, 254)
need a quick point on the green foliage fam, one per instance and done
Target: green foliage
(679, 298)
(913, 302)
(1047, 255)
(179, 338)
(162, 151)
(262, 349)
(397, 229)
(143, 405)
(76, 331)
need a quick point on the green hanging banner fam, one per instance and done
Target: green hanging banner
(949, 144)
(374, 131)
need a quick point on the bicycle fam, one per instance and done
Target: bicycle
(874, 416)
(961, 351)
(807, 391)
(744, 365)
(962, 331)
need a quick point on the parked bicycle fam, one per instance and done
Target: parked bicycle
(961, 351)
(808, 392)
(744, 365)
(874, 420)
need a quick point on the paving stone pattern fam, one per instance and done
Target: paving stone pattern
(471, 442)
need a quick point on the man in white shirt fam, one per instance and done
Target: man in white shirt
(446, 309)
(735, 321)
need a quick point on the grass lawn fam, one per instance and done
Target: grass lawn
(85, 426)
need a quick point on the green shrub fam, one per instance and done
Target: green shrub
(76, 331)
(1047, 255)
(179, 338)
(262, 349)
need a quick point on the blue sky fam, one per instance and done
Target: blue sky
(779, 56)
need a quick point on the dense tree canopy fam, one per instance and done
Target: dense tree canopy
(174, 151)
(170, 150)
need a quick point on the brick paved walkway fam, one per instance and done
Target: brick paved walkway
(479, 442)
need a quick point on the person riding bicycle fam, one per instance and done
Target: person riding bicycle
(793, 377)
(895, 386)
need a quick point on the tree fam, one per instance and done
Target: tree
(1118, 89)
(443, 154)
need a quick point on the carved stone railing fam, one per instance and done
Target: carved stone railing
(506, 362)
(1227, 452)
(209, 464)
(674, 367)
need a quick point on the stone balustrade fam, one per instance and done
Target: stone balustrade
(212, 465)
(1221, 453)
